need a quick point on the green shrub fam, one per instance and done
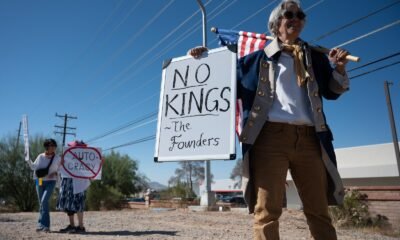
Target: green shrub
(355, 213)
(100, 196)
(179, 191)
(119, 180)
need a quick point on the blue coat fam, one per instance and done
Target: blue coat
(256, 88)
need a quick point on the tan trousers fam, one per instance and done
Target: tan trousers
(278, 148)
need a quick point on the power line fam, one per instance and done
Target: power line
(370, 33)
(182, 37)
(314, 5)
(144, 139)
(84, 52)
(186, 34)
(137, 126)
(119, 51)
(127, 94)
(111, 86)
(375, 61)
(175, 43)
(123, 21)
(254, 14)
(374, 70)
(135, 121)
(137, 104)
(261, 10)
(353, 22)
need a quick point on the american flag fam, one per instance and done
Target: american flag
(246, 43)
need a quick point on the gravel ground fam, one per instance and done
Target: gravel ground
(152, 224)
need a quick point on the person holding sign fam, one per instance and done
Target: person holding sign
(45, 167)
(281, 88)
(71, 198)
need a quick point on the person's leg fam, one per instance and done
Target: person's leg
(48, 187)
(39, 191)
(71, 218)
(269, 165)
(80, 219)
(309, 174)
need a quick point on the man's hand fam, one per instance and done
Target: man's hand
(338, 57)
(197, 51)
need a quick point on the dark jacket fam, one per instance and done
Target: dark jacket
(256, 88)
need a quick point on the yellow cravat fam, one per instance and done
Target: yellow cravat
(298, 56)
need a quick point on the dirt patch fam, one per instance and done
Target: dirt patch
(175, 224)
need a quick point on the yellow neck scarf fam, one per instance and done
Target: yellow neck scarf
(298, 56)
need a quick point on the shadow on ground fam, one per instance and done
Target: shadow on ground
(130, 233)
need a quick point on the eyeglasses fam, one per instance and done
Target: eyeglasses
(290, 15)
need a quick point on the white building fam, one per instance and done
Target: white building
(371, 165)
(223, 186)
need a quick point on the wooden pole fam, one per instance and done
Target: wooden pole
(316, 48)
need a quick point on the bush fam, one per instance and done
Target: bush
(178, 191)
(354, 212)
(100, 196)
(119, 180)
(17, 186)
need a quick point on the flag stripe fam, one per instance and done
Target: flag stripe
(247, 42)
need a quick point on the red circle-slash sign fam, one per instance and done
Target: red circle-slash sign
(79, 154)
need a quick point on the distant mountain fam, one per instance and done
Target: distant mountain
(157, 186)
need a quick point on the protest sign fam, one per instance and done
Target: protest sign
(82, 162)
(26, 136)
(196, 119)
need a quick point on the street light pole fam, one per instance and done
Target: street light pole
(392, 124)
(207, 198)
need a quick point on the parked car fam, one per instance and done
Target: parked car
(238, 201)
(135, 199)
(226, 199)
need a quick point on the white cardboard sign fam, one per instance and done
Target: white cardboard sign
(26, 136)
(196, 119)
(82, 162)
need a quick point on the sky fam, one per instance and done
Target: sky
(100, 61)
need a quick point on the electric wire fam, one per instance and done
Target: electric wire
(131, 40)
(175, 43)
(135, 121)
(370, 33)
(375, 70)
(129, 129)
(81, 54)
(353, 22)
(374, 61)
(110, 87)
(144, 139)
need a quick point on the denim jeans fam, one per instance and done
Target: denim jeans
(44, 193)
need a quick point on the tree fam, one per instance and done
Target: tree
(119, 179)
(188, 172)
(16, 178)
(236, 174)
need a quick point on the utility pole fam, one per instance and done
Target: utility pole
(19, 133)
(392, 124)
(65, 127)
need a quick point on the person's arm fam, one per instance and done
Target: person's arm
(35, 164)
